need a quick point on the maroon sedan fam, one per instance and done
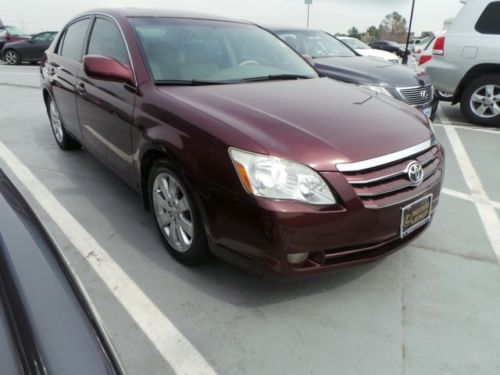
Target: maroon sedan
(237, 146)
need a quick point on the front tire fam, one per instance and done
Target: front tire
(443, 96)
(12, 57)
(480, 102)
(176, 215)
(63, 139)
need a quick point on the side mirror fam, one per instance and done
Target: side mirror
(102, 67)
(309, 59)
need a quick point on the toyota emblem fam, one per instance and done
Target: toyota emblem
(415, 172)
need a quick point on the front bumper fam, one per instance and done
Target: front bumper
(258, 234)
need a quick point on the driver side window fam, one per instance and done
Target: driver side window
(106, 40)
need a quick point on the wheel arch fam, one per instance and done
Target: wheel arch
(473, 73)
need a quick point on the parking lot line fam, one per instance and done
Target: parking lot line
(465, 197)
(175, 348)
(472, 128)
(483, 204)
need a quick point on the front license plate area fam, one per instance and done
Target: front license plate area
(415, 215)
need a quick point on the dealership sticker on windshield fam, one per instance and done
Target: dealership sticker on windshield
(415, 215)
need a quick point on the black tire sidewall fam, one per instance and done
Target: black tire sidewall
(199, 252)
(465, 102)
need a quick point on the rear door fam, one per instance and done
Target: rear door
(37, 46)
(63, 67)
(105, 108)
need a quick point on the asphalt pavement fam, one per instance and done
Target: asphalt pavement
(431, 308)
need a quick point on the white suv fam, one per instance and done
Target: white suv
(466, 61)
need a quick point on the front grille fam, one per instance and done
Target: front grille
(418, 95)
(389, 184)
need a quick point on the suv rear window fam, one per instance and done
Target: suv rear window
(489, 23)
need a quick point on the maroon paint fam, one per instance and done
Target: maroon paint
(318, 122)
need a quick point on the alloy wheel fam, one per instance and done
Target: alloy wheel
(173, 212)
(11, 57)
(485, 101)
(56, 123)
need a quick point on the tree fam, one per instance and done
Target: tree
(354, 32)
(372, 33)
(393, 23)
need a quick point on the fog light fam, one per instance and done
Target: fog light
(297, 258)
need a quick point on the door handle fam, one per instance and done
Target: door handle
(80, 89)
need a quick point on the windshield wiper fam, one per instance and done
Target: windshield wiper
(192, 82)
(276, 77)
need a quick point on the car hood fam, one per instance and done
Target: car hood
(318, 122)
(377, 53)
(363, 70)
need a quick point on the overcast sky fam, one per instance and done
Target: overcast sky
(330, 15)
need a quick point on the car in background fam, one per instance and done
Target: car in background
(47, 325)
(386, 45)
(424, 56)
(11, 34)
(336, 60)
(466, 62)
(237, 146)
(366, 50)
(29, 50)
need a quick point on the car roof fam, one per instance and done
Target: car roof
(289, 28)
(158, 13)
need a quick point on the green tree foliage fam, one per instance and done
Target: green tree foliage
(353, 32)
(393, 23)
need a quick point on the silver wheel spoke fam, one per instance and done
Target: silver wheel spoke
(496, 109)
(490, 90)
(481, 109)
(186, 226)
(476, 98)
(182, 205)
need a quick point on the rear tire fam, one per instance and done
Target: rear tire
(12, 57)
(65, 141)
(176, 214)
(480, 102)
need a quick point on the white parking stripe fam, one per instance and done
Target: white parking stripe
(465, 197)
(484, 206)
(472, 128)
(34, 74)
(180, 354)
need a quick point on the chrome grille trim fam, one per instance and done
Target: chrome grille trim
(386, 159)
(392, 175)
(412, 96)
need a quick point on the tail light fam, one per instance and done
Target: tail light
(438, 48)
(424, 59)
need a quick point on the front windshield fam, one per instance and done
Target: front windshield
(355, 43)
(12, 30)
(315, 43)
(214, 51)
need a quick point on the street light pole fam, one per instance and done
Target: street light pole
(405, 56)
(308, 3)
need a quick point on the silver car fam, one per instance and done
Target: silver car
(466, 61)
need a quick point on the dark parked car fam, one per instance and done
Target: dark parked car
(46, 326)
(334, 59)
(10, 34)
(31, 49)
(236, 144)
(386, 45)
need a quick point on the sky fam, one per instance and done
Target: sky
(330, 15)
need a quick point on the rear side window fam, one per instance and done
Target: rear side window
(106, 40)
(489, 22)
(72, 44)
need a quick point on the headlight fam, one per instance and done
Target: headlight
(377, 89)
(272, 177)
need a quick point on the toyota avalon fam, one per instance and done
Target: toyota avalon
(237, 146)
